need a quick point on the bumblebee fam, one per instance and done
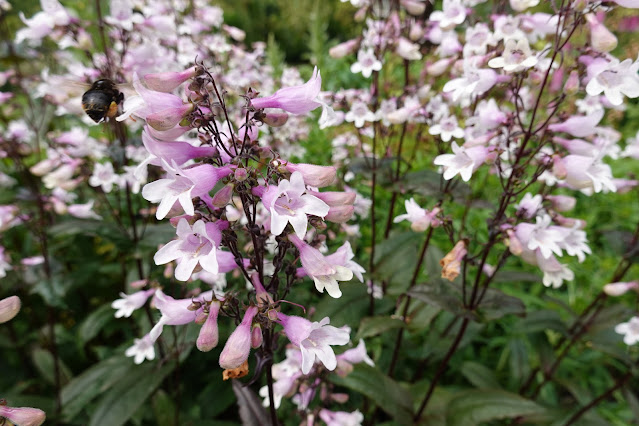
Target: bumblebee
(102, 100)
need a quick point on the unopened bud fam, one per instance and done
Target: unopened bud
(562, 203)
(168, 118)
(275, 119)
(513, 243)
(414, 7)
(343, 49)
(240, 174)
(209, 334)
(223, 196)
(601, 39)
(256, 336)
(572, 83)
(617, 289)
(168, 81)
(9, 308)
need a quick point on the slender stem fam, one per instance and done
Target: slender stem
(441, 369)
(619, 383)
(400, 334)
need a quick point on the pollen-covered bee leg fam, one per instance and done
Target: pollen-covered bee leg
(113, 110)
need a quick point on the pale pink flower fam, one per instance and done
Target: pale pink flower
(324, 274)
(341, 418)
(579, 126)
(615, 79)
(103, 176)
(142, 349)
(590, 173)
(541, 236)
(463, 161)
(516, 57)
(420, 219)
(130, 302)
(620, 288)
(447, 128)
(359, 114)
(194, 245)
(288, 202)
(366, 63)
(314, 340)
(83, 211)
(296, 99)
(530, 205)
(182, 185)
(630, 330)
(452, 14)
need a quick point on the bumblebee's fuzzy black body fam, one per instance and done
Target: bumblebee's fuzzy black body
(102, 100)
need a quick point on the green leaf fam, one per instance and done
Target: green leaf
(45, 364)
(542, 320)
(252, 412)
(92, 324)
(93, 382)
(163, 409)
(124, 399)
(448, 296)
(372, 326)
(443, 294)
(496, 304)
(477, 406)
(395, 259)
(384, 391)
(479, 375)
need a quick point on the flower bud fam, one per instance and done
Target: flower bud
(572, 83)
(209, 334)
(168, 81)
(617, 289)
(562, 203)
(235, 33)
(416, 31)
(168, 118)
(25, 416)
(9, 308)
(343, 49)
(513, 243)
(317, 176)
(275, 119)
(340, 214)
(223, 196)
(240, 174)
(414, 7)
(256, 336)
(237, 347)
(439, 67)
(601, 39)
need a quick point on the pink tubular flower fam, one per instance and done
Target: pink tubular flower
(25, 416)
(182, 185)
(346, 360)
(579, 126)
(601, 39)
(296, 99)
(193, 246)
(585, 172)
(167, 81)
(148, 102)
(288, 202)
(420, 219)
(180, 152)
(168, 118)
(142, 349)
(175, 311)
(324, 274)
(130, 302)
(237, 347)
(630, 330)
(9, 308)
(209, 334)
(317, 176)
(314, 339)
(464, 161)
